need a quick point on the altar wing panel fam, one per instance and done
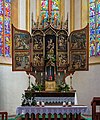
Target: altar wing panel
(21, 49)
(79, 50)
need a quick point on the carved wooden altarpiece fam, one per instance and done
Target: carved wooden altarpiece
(49, 53)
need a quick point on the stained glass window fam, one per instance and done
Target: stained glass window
(5, 28)
(94, 11)
(50, 8)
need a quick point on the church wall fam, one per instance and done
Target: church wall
(77, 14)
(22, 14)
(12, 85)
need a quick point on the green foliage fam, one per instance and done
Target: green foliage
(63, 87)
(37, 87)
(28, 99)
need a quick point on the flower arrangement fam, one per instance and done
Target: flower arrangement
(28, 99)
(37, 87)
(63, 87)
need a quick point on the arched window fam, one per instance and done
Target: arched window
(5, 28)
(50, 8)
(94, 11)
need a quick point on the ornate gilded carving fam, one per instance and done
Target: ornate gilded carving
(51, 53)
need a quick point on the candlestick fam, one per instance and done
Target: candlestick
(29, 81)
(50, 70)
(71, 88)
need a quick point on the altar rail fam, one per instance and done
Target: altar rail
(72, 112)
(54, 97)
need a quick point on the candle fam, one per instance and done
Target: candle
(64, 71)
(64, 104)
(35, 71)
(46, 73)
(38, 103)
(59, 74)
(69, 103)
(42, 103)
(41, 74)
(70, 75)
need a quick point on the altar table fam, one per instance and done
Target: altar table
(72, 112)
(54, 97)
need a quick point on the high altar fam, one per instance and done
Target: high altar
(49, 53)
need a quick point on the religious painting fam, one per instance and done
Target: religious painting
(21, 48)
(38, 59)
(50, 46)
(62, 43)
(78, 61)
(78, 40)
(62, 59)
(37, 43)
(22, 61)
(21, 41)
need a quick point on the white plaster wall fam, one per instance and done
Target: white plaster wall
(12, 85)
(22, 14)
(77, 14)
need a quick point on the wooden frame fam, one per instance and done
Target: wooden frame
(20, 50)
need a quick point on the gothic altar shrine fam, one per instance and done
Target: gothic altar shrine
(49, 53)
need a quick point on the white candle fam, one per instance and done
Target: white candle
(45, 73)
(64, 104)
(35, 71)
(41, 74)
(42, 103)
(64, 71)
(59, 74)
(71, 75)
(38, 103)
(69, 103)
